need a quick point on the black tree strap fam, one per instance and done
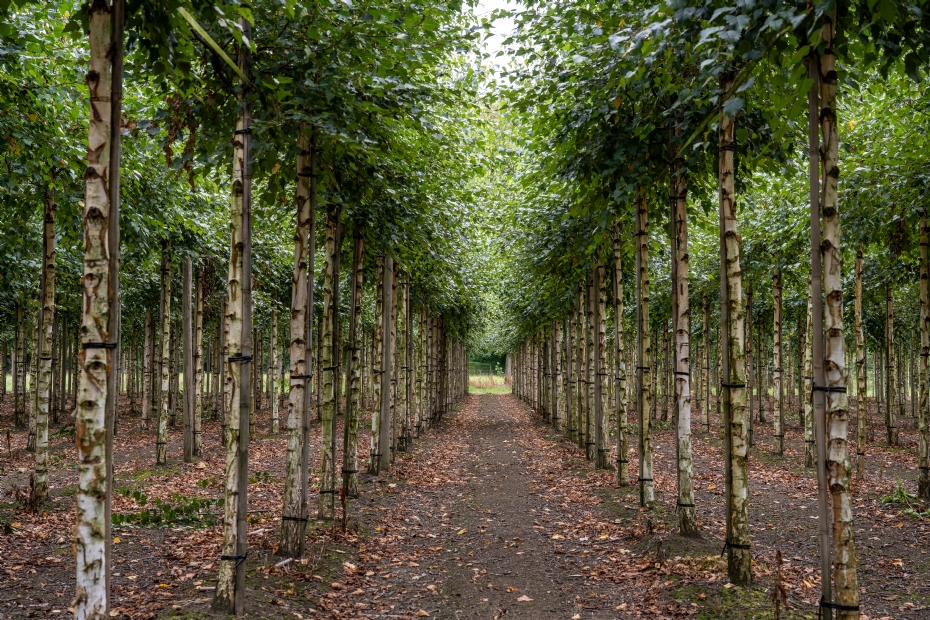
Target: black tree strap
(683, 373)
(645, 479)
(733, 385)
(310, 376)
(643, 368)
(238, 558)
(334, 367)
(350, 471)
(838, 389)
(100, 345)
(829, 605)
(732, 546)
(328, 492)
(245, 131)
(622, 461)
(302, 519)
(727, 147)
(680, 505)
(240, 358)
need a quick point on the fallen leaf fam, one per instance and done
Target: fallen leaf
(422, 614)
(524, 599)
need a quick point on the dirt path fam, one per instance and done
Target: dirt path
(486, 519)
(498, 529)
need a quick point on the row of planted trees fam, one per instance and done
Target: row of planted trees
(665, 107)
(390, 223)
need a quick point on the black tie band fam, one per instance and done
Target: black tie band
(829, 605)
(732, 546)
(238, 558)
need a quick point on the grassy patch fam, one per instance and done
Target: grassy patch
(505, 389)
(716, 602)
(488, 384)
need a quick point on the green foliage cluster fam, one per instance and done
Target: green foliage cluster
(600, 99)
(180, 511)
(389, 89)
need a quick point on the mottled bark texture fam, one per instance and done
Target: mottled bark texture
(733, 378)
(837, 411)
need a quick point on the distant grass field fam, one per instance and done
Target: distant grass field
(488, 384)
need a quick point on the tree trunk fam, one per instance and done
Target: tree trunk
(422, 394)
(197, 385)
(750, 382)
(681, 324)
(644, 396)
(225, 395)
(558, 398)
(32, 369)
(294, 510)
(19, 355)
(99, 330)
(402, 423)
(412, 417)
(381, 460)
(923, 418)
(620, 395)
(599, 304)
(188, 346)
(326, 507)
(55, 354)
(733, 380)
(392, 342)
(837, 463)
(591, 419)
(377, 373)
(891, 423)
(229, 596)
(273, 368)
(3, 354)
(778, 433)
(161, 440)
(46, 342)
(810, 459)
(706, 369)
(147, 373)
(353, 371)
